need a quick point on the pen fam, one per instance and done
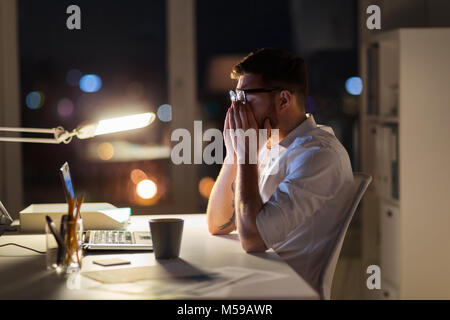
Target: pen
(52, 227)
(62, 234)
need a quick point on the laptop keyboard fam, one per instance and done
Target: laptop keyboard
(111, 237)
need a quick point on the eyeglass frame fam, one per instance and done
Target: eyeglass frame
(234, 93)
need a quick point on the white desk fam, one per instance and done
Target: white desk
(23, 274)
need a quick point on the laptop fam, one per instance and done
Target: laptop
(5, 219)
(107, 240)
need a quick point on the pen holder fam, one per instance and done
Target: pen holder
(66, 259)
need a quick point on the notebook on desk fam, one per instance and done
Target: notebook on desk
(107, 240)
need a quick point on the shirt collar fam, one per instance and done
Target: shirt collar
(308, 124)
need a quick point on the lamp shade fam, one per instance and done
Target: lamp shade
(113, 125)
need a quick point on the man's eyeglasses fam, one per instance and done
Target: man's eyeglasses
(241, 95)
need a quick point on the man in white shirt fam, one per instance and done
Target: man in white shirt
(291, 205)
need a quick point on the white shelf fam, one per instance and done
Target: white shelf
(408, 238)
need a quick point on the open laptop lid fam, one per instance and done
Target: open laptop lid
(5, 219)
(67, 182)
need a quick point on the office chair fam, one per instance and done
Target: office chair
(360, 183)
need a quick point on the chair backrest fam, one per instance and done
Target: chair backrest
(360, 183)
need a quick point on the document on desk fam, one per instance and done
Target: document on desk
(168, 270)
(215, 282)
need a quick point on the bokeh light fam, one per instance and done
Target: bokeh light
(146, 189)
(164, 113)
(73, 77)
(65, 107)
(105, 151)
(205, 186)
(354, 85)
(137, 175)
(34, 100)
(90, 83)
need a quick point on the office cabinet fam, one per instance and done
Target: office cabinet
(405, 145)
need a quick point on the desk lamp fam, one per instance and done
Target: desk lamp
(84, 131)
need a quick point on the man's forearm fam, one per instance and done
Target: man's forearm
(248, 203)
(220, 212)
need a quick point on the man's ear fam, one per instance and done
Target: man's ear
(286, 99)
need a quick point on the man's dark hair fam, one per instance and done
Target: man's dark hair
(278, 68)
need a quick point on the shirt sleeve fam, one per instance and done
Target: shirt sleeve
(313, 177)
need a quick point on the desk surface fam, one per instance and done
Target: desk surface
(23, 274)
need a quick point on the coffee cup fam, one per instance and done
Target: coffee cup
(166, 236)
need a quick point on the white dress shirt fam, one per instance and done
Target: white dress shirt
(302, 186)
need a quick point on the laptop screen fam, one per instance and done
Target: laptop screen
(67, 182)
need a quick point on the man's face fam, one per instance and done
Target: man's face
(262, 103)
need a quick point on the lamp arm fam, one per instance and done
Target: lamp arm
(32, 130)
(59, 135)
(84, 131)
